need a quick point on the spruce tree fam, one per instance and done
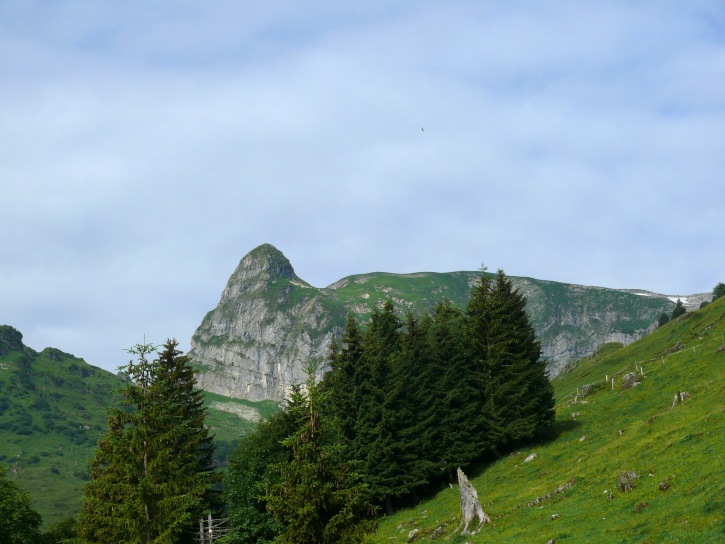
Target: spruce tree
(375, 425)
(19, 523)
(253, 469)
(151, 475)
(718, 291)
(462, 425)
(316, 501)
(678, 310)
(521, 396)
(341, 383)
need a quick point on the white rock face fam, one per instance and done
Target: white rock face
(266, 327)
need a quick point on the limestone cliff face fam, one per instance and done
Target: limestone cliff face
(268, 324)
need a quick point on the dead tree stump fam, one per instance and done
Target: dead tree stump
(470, 507)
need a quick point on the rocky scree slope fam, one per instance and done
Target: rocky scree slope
(256, 343)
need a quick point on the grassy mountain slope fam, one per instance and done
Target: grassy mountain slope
(52, 412)
(53, 409)
(561, 313)
(676, 452)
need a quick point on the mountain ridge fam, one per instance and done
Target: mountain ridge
(255, 343)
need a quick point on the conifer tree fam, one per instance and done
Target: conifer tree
(252, 470)
(411, 406)
(678, 310)
(342, 382)
(519, 389)
(317, 500)
(19, 523)
(375, 426)
(462, 430)
(151, 475)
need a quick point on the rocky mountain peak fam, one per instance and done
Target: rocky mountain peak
(258, 269)
(10, 340)
(265, 259)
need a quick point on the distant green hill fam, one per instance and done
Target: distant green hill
(570, 490)
(53, 410)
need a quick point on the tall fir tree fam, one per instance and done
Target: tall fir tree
(316, 500)
(463, 428)
(522, 397)
(341, 383)
(19, 523)
(152, 475)
(678, 310)
(375, 426)
(253, 469)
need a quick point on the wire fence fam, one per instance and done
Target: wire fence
(638, 366)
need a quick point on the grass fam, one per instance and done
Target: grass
(53, 410)
(598, 437)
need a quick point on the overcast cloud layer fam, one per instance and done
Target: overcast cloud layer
(146, 147)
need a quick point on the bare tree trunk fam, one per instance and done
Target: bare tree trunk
(470, 506)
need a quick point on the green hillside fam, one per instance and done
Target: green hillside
(561, 313)
(570, 491)
(53, 411)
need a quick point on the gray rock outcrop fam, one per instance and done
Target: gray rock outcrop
(268, 323)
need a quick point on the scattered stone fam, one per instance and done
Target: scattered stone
(412, 535)
(630, 380)
(582, 439)
(626, 479)
(546, 497)
(437, 533)
(665, 484)
(554, 516)
(641, 506)
(530, 458)
(470, 506)
(575, 415)
(551, 541)
(610, 497)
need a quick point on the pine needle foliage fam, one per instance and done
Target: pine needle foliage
(151, 477)
(19, 523)
(316, 500)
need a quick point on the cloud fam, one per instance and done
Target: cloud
(148, 147)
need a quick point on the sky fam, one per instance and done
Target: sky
(146, 147)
